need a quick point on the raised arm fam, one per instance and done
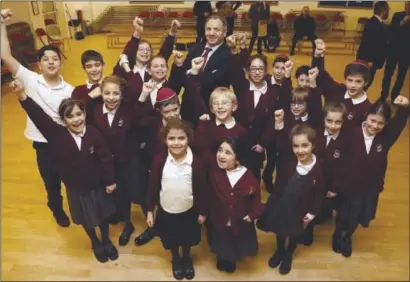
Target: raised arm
(168, 45)
(42, 121)
(397, 124)
(9, 61)
(131, 48)
(237, 63)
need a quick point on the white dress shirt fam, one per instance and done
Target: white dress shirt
(368, 140)
(47, 97)
(78, 138)
(176, 193)
(257, 92)
(154, 93)
(141, 71)
(110, 114)
(330, 137)
(356, 101)
(228, 125)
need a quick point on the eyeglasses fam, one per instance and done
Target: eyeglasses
(296, 103)
(223, 104)
(148, 50)
(254, 69)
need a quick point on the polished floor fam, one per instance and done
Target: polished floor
(34, 248)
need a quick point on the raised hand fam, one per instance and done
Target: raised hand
(138, 24)
(175, 25)
(111, 188)
(401, 101)
(196, 65)
(6, 15)
(279, 116)
(18, 89)
(178, 58)
(242, 39)
(231, 41)
(147, 87)
(320, 49)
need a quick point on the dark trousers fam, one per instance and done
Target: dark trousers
(200, 30)
(373, 71)
(254, 162)
(260, 40)
(273, 43)
(230, 24)
(48, 170)
(299, 37)
(393, 61)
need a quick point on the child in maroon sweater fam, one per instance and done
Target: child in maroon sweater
(235, 204)
(85, 165)
(363, 169)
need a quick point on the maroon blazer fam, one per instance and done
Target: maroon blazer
(313, 190)
(334, 91)
(81, 93)
(234, 203)
(80, 170)
(199, 185)
(361, 173)
(122, 135)
(208, 135)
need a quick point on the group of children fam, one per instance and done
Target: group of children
(123, 141)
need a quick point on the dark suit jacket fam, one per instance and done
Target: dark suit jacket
(374, 43)
(214, 74)
(200, 8)
(399, 36)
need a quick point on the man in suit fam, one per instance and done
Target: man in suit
(202, 9)
(215, 71)
(305, 26)
(373, 47)
(398, 53)
(227, 9)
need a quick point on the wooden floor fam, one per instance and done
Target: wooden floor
(34, 248)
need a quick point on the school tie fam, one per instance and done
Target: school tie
(205, 56)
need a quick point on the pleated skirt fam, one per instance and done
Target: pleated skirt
(91, 209)
(180, 229)
(233, 247)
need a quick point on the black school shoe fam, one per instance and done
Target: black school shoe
(286, 264)
(177, 269)
(111, 251)
(126, 235)
(220, 265)
(145, 237)
(61, 218)
(230, 267)
(337, 242)
(188, 267)
(100, 254)
(306, 238)
(276, 259)
(346, 246)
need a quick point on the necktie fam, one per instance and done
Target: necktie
(205, 56)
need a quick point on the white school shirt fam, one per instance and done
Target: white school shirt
(154, 93)
(257, 93)
(368, 140)
(303, 118)
(228, 125)
(110, 114)
(140, 71)
(78, 137)
(47, 97)
(234, 177)
(330, 136)
(176, 184)
(356, 101)
(303, 170)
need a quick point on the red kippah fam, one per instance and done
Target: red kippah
(283, 56)
(165, 94)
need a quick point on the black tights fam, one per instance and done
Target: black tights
(186, 250)
(105, 238)
(281, 242)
